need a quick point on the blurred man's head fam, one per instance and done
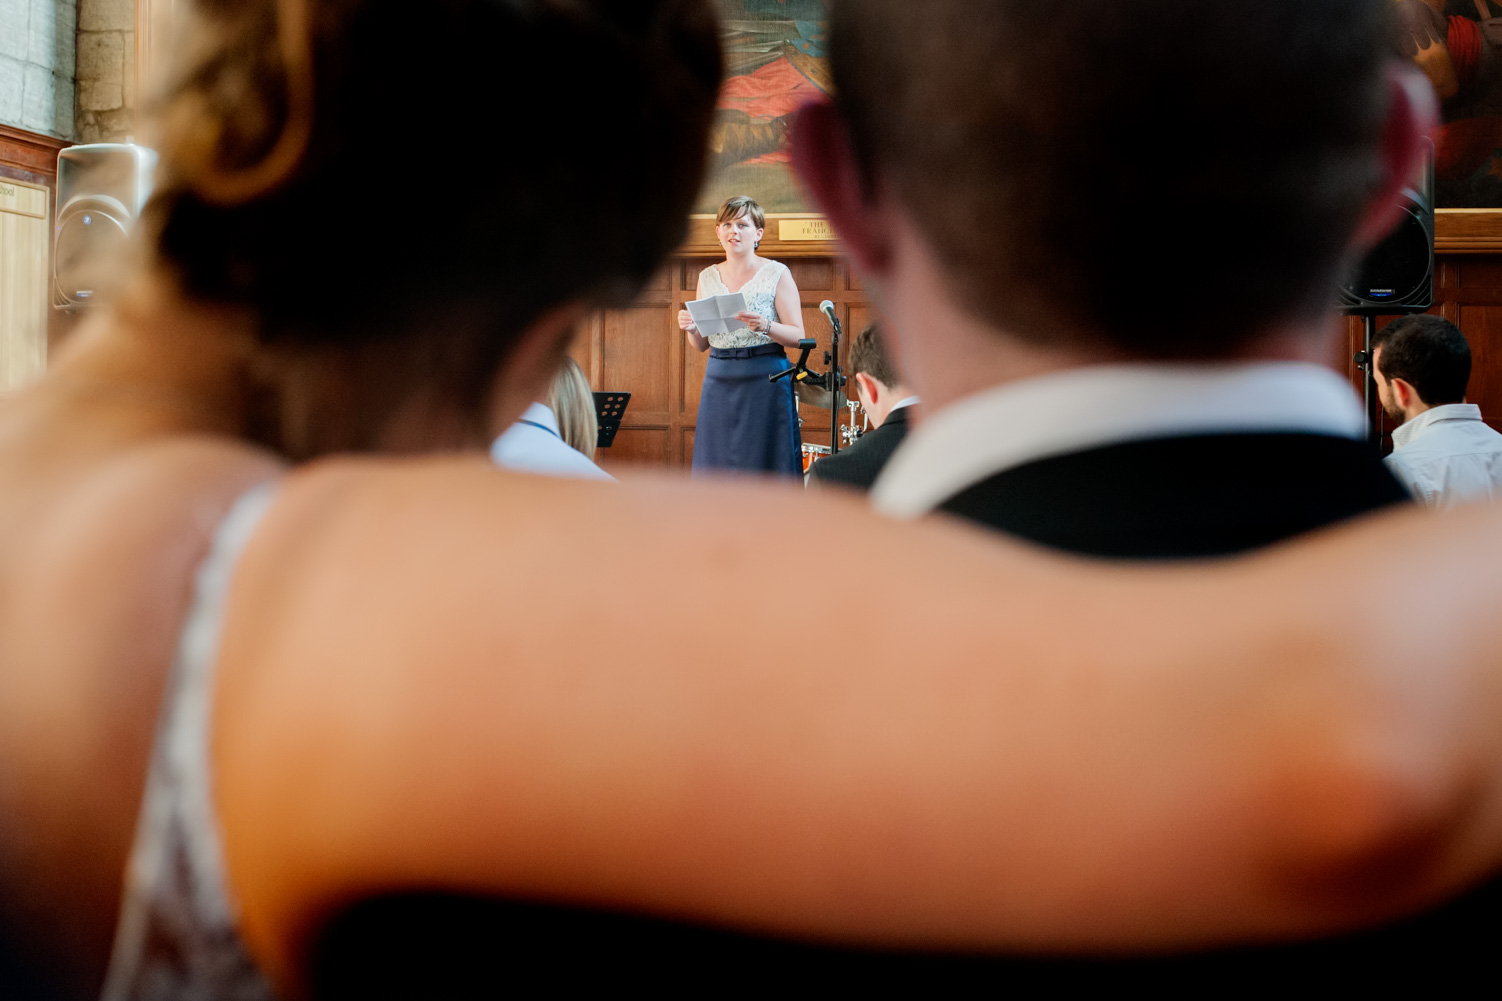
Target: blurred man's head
(1154, 179)
(878, 386)
(1421, 362)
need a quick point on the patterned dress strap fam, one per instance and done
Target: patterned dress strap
(711, 282)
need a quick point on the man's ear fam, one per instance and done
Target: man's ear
(870, 389)
(1403, 393)
(1412, 113)
(825, 161)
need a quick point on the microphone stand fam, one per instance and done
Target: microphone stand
(836, 380)
(832, 380)
(1363, 361)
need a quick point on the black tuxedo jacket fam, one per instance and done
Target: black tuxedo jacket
(860, 464)
(1196, 495)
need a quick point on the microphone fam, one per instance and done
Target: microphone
(827, 308)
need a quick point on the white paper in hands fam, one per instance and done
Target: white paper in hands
(716, 315)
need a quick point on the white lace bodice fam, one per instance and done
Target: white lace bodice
(761, 297)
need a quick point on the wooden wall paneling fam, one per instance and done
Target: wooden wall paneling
(852, 277)
(635, 449)
(814, 275)
(1473, 274)
(31, 152)
(861, 316)
(586, 347)
(631, 352)
(25, 228)
(1482, 326)
(636, 357)
(1468, 293)
(31, 158)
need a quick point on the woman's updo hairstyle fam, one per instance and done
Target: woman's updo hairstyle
(361, 172)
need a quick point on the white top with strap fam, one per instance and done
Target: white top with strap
(178, 934)
(761, 297)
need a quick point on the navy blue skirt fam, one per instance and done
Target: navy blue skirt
(747, 423)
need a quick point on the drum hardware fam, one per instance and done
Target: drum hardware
(813, 396)
(850, 432)
(811, 455)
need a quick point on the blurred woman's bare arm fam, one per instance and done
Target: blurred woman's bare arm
(1014, 750)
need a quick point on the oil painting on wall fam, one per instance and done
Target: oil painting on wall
(775, 63)
(1458, 44)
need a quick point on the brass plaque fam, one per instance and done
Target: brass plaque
(804, 229)
(23, 199)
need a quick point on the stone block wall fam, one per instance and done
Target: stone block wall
(37, 65)
(106, 69)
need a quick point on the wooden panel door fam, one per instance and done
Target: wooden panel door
(24, 212)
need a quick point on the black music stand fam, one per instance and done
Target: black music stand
(609, 409)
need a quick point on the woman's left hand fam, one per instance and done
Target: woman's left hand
(755, 321)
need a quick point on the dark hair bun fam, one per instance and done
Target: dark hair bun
(467, 163)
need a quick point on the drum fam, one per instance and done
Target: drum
(812, 454)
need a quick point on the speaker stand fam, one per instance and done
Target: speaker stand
(1369, 383)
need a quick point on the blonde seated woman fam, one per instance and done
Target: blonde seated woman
(558, 437)
(278, 712)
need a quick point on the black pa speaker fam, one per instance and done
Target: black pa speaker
(1397, 275)
(101, 189)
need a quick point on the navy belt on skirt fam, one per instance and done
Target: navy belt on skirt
(759, 351)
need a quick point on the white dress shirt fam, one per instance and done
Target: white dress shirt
(1073, 410)
(533, 445)
(1446, 455)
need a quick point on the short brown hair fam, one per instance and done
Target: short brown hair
(869, 356)
(741, 205)
(1163, 178)
(343, 250)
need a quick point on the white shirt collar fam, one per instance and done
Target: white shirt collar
(1408, 430)
(906, 401)
(541, 413)
(1082, 408)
